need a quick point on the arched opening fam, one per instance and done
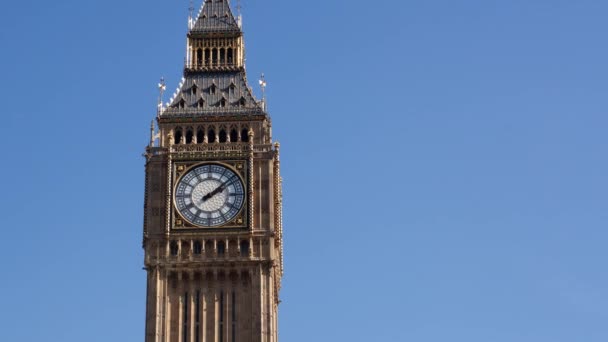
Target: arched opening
(221, 248)
(212, 89)
(211, 135)
(245, 135)
(198, 247)
(222, 56)
(200, 136)
(189, 136)
(242, 102)
(207, 57)
(222, 103)
(174, 248)
(200, 103)
(244, 248)
(181, 104)
(214, 57)
(178, 136)
(194, 89)
(234, 135)
(199, 57)
(230, 58)
(223, 136)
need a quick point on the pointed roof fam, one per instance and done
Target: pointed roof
(201, 94)
(215, 16)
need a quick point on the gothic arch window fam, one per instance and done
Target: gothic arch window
(244, 248)
(199, 57)
(178, 135)
(194, 89)
(200, 136)
(198, 247)
(189, 136)
(222, 56)
(200, 103)
(211, 135)
(181, 104)
(222, 103)
(212, 89)
(207, 57)
(230, 58)
(221, 248)
(234, 135)
(174, 248)
(223, 136)
(214, 56)
(245, 135)
(242, 102)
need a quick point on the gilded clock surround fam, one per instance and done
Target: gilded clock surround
(237, 166)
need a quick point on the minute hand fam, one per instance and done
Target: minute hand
(214, 192)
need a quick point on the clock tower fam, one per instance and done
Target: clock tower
(212, 214)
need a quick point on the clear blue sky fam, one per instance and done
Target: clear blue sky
(445, 165)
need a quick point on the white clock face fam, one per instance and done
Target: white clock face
(209, 195)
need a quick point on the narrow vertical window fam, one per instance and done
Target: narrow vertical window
(233, 316)
(234, 135)
(244, 248)
(174, 248)
(245, 135)
(214, 56)
(185, 327)
(189, 137)
(178, 136)
(221, 316)
(200, 136)
(221, 248)
(229, 55)
(223, 136)
(211, 135)
(199, 57)
(222, 56)
(197, 334)
(198, 247)
(207, 57)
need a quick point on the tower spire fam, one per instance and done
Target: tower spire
(239, 19)
(263, 86)
(161, 90)
(190, 15)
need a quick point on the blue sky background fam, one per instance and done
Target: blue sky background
(444, 161)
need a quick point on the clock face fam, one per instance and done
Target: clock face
(209, 195)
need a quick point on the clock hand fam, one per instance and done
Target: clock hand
(214, 192)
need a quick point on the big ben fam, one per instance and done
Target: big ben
(212, 233)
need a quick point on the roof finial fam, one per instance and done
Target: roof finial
(263, 86)
(161, 90)
(190, 13)
(152, 134)
(238, 11)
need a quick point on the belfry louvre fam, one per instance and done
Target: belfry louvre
(213, 237)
